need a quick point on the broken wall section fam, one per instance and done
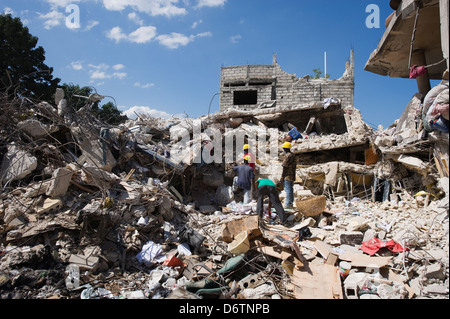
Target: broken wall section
(250, 87)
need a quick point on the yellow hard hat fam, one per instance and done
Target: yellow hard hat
(247, 158)
(246, 147)
(287, 145)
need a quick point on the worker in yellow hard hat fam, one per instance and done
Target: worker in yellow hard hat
(288, 175)
(252, 156)
(287, 146)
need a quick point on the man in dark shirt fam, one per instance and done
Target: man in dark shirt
(244, 178)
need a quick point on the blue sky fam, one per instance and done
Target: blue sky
(164, 56)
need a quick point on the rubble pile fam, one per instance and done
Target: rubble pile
(93, 211)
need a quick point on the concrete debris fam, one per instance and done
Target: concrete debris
(145, 211)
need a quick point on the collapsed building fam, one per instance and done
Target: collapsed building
(91, 211)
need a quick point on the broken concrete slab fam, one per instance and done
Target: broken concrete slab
(16, 164)
(60, 182)
(233, 228)
(95, 153)
(84, 262)
(36, 129)
(49, 204)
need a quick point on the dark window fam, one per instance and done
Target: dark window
(245, 97)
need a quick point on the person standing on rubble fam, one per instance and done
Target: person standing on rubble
(252, 160)
(244, 179)
(266, 187)
(288, 175)
(252, 163)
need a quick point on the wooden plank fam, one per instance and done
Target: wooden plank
(129, 175)
(323, 248)
(177, 194)
(363, 260)
(317, 281)
(355, 259)
(275, 251)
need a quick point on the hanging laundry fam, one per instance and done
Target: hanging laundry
(417, 71)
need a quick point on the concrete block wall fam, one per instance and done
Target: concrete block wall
(242, 78)
(271, 82)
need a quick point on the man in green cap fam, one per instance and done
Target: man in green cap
(268, 188)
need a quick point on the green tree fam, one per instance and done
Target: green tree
(318, 73)
(72, 93)
(110, 114)
(107, 113)
(22, 67)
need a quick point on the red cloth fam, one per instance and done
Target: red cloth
(417, 71)
(373, 245)
(252, 161)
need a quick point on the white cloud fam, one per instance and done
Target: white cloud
(175, 40)
(116, 34)
(152, 7)
(130, 113)
(119, 75)
(8, 11)
(235, 38)
(135, 18)
(196, 23)
(101, 66)
(204, 34)
(141, 35)
(52, 19)
(210, 3)
(76, 65)
(144, 86)
(101, 72)
(99, 75)
(91, 24)
(118, 67)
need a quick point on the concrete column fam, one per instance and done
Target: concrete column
(423, 82)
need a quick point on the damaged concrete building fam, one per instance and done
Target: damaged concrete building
(94, 211)
(322, 110)
(416, 36)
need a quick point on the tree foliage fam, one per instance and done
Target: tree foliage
(23, 72)
(107, 113)
(72, 93)
(22, 67)
(110, 114)
(318, 74)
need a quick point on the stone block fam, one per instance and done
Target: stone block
(353, 283)
(436, 289)
(60, 182)
(83, 262)
(48, 205)
(351, 238)
(435, 270)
